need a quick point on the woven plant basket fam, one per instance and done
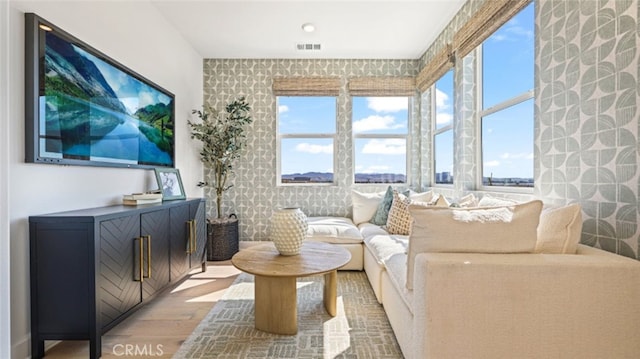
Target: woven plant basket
(222, 238)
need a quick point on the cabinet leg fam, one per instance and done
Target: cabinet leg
(37, 348)
(95, 348)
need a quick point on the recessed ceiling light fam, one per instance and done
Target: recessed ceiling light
(45, 27)
(308, 27)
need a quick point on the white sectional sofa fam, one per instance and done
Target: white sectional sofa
(502, 305)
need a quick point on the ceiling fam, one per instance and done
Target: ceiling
(356, 29)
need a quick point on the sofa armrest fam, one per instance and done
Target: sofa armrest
(526, 305)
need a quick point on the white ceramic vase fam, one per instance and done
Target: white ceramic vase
(288, 230)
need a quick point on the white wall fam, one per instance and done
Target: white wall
(134, 34)
(5, 317)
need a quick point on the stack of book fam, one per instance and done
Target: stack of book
(135, 199)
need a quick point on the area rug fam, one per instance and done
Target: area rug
(359, 330)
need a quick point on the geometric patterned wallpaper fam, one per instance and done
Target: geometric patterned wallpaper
(255, 195)
(586, 147)
(587, 94)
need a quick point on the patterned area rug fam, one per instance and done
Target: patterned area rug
(359, 330)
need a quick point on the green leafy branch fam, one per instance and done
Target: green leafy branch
(223, 138)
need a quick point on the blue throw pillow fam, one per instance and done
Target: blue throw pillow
(380, 217)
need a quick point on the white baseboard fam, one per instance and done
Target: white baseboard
(22, 349)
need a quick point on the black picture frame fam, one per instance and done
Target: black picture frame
(170, 183)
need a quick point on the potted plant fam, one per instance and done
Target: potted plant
(223, 139)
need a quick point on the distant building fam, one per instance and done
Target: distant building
(444, 177)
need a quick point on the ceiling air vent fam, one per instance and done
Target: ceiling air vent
(308, 47)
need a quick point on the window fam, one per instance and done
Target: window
(507, 69)
(306, 137)
(443, 129)
(380, 127)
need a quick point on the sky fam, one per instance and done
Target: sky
(507, 135)
(131, 92)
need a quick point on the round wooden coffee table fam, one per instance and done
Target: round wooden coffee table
(275, 280)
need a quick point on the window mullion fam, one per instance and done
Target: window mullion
(307, 135)
(443, 129)
(378, 135)
(508, 103)
(478, 120)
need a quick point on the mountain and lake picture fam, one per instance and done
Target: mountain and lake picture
(95, 111)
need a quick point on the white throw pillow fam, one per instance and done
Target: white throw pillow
(467, 201)
(506, 229)
(365, 205)
(559, 230)
(422, 196)
(489, 201)
(441, 201)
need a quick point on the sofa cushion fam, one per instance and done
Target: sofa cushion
(365, 205)
(467, 201)
(385, 245)
(399, 220)
(396, 266)
(441, 201)
(426, 197)
(369, 230)
(382, 213)
(339, 230)
(559, 230)
(489, 201)
(506, 229)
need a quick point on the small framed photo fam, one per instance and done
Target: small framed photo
(170, 183)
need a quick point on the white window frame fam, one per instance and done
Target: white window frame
(281, 136)
(406, 137)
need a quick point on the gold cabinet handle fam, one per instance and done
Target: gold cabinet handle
(140, 260)
(148, 256)
(194, 247)
(190, 248)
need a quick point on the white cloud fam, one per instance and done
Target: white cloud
(375, 169)
(512, 31)
(146, 99)
(385, 147)
(443, 118)
(283, 109)
(131, 103)
(442, 99)
(516, 156)
(375, 122)
(315, 149)
(492, 164)
(498, 37)
(387, 104)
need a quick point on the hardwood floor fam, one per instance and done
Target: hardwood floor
(158, 329)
